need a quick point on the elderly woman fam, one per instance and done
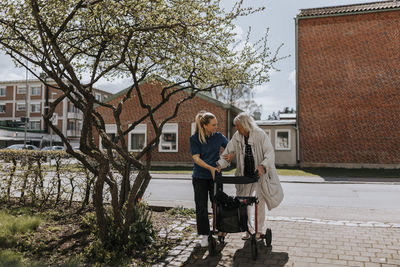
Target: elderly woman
(254, 155)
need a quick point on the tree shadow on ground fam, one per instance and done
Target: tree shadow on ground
(201, 257)
(265, 256)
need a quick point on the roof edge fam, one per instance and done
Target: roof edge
(363, 8)
(199, 94)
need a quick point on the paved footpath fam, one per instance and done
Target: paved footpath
(301, 242)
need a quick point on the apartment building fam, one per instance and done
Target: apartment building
(30, 99)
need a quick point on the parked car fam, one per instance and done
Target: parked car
(21, 146)
(52, 148)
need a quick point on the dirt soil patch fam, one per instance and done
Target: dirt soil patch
(60, 237)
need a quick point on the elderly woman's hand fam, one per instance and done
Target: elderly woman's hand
(260, 170)
(229, 157)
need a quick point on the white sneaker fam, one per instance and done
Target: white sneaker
(203, 241)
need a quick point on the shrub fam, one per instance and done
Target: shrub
(120, 244)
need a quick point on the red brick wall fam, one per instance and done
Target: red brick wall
(187, 112)
(349, 89)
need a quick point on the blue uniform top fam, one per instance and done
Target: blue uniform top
(209, 152)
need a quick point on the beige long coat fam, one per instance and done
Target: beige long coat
(269, 188)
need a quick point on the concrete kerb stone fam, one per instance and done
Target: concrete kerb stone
(298, 179)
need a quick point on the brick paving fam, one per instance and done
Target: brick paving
(302, 242)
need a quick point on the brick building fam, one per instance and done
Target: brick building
(348, 85)
(174, 147)
(30, 98)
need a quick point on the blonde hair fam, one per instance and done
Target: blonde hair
(246, 121)
(203, 118)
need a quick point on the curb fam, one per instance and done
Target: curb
(305, 180)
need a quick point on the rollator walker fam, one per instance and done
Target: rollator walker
(230, 214)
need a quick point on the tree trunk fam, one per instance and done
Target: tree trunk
(132, 200)
(115, 203)
(125, 186)
(98, 203)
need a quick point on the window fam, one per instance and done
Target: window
(20, 107)
(34, 125)
(98, 97)
(71, 126)
(2, 108)
(138, 138)
(3, 91)
(21, 90)
(35, 107)
(35, 90)
(282, 140)
(169, 138)
(71, 107)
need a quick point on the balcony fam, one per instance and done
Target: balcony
(75, 115)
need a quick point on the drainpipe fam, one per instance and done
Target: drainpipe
(297, 87)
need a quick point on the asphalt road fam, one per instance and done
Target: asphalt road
(339, 201)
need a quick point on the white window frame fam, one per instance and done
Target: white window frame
(139, 129)
(36, 122)
(169, 128)
(36, 87)
(19, 109)
(3, 89)
(277, 147)
(110, 129)
(20, 91)
(192, 128)
(3, 105)
(36, 105)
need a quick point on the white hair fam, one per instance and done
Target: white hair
(246, 121)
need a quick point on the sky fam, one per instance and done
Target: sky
(279, 17)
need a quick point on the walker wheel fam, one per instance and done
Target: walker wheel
(212, 245)
(268, 237)
(253, 243)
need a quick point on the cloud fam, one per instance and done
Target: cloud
(272, 100)
(113, 86)
(8, 71)
(262, 89)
